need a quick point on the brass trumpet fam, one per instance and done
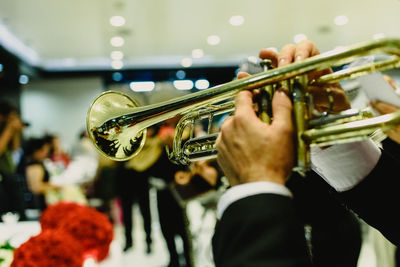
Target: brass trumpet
(117, 124)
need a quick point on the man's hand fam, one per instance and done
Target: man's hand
(295, 53)
(250, 150)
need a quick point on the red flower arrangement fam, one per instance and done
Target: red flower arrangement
(55, 214)
(92, 229)
(48, 249)
(85, 231)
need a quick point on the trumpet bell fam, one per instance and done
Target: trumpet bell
(116, 140)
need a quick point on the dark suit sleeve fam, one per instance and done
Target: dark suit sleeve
(260, 230)
(376, 199)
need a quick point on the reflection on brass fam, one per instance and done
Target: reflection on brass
(117, 125)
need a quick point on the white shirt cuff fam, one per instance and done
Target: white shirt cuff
(248, 189)
(344, 166)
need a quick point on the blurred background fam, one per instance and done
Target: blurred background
(57, 56)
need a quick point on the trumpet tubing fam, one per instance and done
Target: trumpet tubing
(117, 124)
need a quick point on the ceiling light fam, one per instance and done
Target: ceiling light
(23, 79)
(197, 53)
(202, 84)
(117, 76)
(299, 37)
(186, 62)
(183, 84)
(379, 35)
(117, 55)
(117, 64)
(117, 41)
(341, 20)
(213, 39)
(117, 21)
(180, 74)
(142, 86)
(236, 20)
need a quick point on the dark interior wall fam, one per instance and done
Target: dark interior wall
(10, 88)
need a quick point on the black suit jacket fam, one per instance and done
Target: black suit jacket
(263, 230)
(376, 199)
(260, 230)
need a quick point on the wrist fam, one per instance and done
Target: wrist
(277, 179)
(278, 176)
(239, 192)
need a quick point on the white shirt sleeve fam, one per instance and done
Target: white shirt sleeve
(344, 166)
(244, 190)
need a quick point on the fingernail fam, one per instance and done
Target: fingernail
(299, 58)
(282, 61)
(283, 91)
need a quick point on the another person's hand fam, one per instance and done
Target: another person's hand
(201, 168)
(295, 53)
(386, 108)
(14, 122)
(183, 177)
(250, 150)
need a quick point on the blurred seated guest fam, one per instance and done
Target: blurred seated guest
(11, 126)
(58, 157)
(78, 170)
(82, 166)
(35, 173)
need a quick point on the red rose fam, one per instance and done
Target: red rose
(92, 229)
(48, 249)
(55, 214)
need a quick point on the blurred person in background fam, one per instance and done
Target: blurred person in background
(133, 186)
(58, 157)
(101, 192)
(172, 215)
(81, 166)
(37, 178)
(72, 173)
(11, 194)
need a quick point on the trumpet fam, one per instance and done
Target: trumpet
(117, 124)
